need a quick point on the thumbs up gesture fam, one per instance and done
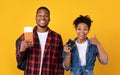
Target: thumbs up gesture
(94, 40)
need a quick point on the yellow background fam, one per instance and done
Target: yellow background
(15, 14)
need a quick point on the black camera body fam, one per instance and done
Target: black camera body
(70, 43)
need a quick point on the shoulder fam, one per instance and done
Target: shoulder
(54, 34)
(91, 46)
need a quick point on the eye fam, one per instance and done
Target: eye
(78, 28)
(86, 29)
(39, 15)
(46, 15)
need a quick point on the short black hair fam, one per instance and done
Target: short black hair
(42, 7)
(83, 19)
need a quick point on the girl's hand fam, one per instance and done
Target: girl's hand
(94, 40)
(67, 49)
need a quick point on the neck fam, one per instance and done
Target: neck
(81, 41)
(40, 29)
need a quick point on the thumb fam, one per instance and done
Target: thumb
(94, 35)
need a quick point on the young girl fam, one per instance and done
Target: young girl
(80, 59)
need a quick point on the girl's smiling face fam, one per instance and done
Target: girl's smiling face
(82, 30)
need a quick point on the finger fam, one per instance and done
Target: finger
(69, 48)
(94, 35)
(29, 44)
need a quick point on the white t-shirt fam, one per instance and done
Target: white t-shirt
(42, 39)
(82, 49)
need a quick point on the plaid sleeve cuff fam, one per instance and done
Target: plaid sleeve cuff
(20, 54)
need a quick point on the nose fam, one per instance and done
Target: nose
(82, 31)
(42, 17)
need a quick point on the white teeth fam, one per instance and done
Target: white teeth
(81, 34)
(42, 21)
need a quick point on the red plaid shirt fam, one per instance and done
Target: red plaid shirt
(52, 58)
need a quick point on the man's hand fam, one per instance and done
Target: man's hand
(25, 44)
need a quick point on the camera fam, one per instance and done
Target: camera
(70, 43)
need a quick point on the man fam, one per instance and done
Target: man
(43, 56)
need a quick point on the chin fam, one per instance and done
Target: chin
(82, 38)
